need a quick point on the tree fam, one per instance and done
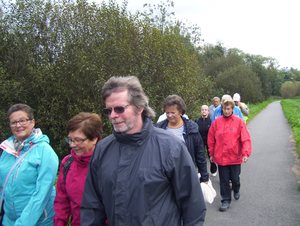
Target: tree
(240, 79)
(289, 89)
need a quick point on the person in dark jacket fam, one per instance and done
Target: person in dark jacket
(139, 175)
(204, 123)
(185, 130)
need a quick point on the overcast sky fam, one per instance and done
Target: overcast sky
(260, 27)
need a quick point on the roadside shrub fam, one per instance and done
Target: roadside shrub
(289, 89)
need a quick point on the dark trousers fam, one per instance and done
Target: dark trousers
(226, 173)
(213, 166)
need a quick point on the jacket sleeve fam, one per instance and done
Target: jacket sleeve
(238, 112)
(211, 141)
(47, 172)
(200, 158)
(92, 210)
(62, 205)
(246, 140)
(186, 187)
(214, 117)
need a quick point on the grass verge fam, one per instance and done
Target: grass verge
(291, 111)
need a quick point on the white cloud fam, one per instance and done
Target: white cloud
(261, 27)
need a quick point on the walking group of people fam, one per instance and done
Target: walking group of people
(140, 175)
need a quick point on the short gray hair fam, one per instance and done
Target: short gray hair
(136, 95)
(21, 107)
(216, 98)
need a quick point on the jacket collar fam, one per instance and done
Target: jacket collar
(188, 126)
(82, 159)
(136, 138)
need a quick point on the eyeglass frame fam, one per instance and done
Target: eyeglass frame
(121, 110)
(14, 124)
(79, 140)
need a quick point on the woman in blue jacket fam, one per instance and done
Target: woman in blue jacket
(29, 193)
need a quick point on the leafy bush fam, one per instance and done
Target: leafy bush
(289, 89)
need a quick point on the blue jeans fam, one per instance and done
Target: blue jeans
(226, 173)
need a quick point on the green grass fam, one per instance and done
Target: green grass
(291, 111)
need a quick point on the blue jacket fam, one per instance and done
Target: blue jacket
(194, 144)
(218, 113)
(29, 193)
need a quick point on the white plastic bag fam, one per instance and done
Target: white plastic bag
(209, 193)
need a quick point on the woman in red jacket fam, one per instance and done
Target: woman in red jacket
(84, 131)
(229, 146)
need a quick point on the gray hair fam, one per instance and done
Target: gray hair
(21, 107)
(136, 95)
(216, 98)
(225, 97)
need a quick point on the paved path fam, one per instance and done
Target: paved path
(269, 188)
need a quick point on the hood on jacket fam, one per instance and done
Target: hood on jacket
(38, 137)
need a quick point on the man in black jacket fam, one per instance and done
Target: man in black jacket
(204, 123)
(139, 175)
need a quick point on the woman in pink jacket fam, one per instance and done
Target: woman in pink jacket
(229, 146)
(84, 131)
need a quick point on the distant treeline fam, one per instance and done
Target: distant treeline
(56, 56)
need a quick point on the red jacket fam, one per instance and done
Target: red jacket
(229, 140)
(68, 195)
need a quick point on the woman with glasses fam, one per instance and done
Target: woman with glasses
(28, 180)
(84, 131)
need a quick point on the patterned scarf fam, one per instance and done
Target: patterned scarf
(19, 145)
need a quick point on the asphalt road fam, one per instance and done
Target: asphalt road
(269, 188)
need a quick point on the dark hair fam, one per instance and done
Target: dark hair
(175, 100)
(21, 107)
(136, 95)
(228, 102)
(89, 123)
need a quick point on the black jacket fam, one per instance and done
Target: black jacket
(194, 144)
(146, 178)
(203, 125)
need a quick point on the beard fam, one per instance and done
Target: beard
(126, 126)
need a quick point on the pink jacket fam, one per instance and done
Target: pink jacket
(68, 195)
(229, 140)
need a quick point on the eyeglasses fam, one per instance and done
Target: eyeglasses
(76, 141)
(118, 109)
(22, 122)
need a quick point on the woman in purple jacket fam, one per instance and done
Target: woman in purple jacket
(84, 131)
